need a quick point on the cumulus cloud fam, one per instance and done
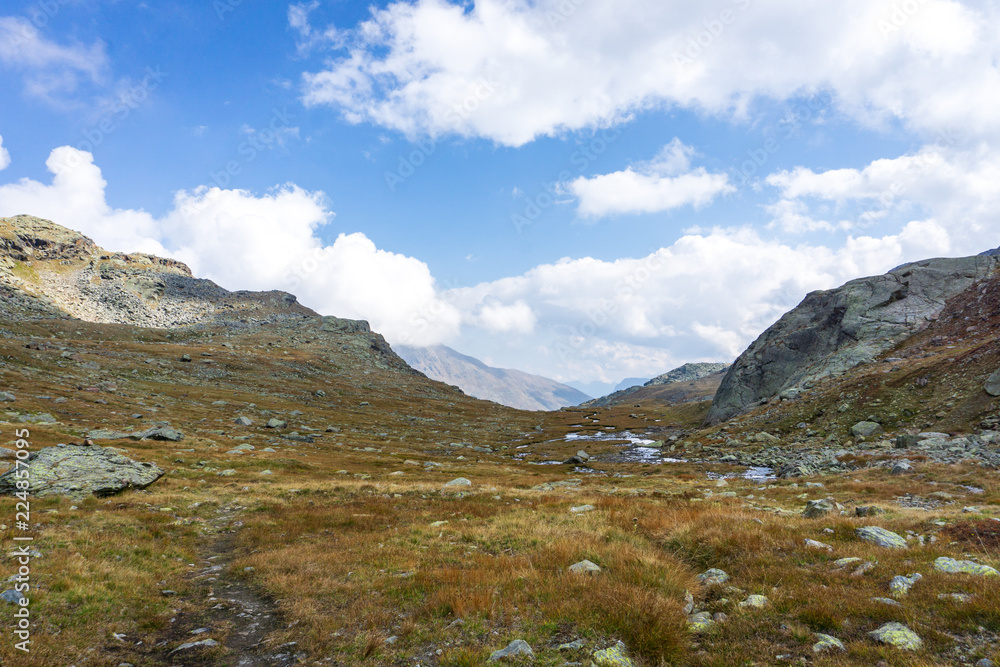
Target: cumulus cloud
(52, 71)
(248, 241)
(4, 156)
(659, 185)
(563, 65)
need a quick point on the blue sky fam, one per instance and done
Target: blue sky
(584, 189)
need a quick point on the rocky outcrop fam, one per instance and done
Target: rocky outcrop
(684, 374)
(81, 470)
(833, 331)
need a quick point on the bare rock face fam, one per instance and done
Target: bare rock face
(81, 470)
(833, 331)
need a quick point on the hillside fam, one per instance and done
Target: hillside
(690, 382)
(509, 387)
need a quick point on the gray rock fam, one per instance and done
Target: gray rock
(755, 602)
(813, 544)
(901, 585)
(7, 397)
(276, 423)
(898, 635)
(580, 458)
(985, 662)
(584, 567)
(888, 601)
(580, 509)
(901, 468)
(827, 643)
(575, 645)
(700, 622)
(82, 470)
(952, 566)
(881, 537)
(204, 643)
(243, 421)
(12, 596)
(516, 648)
(867, 510)
(158, 433)
(835, 330)
(613, 656)
(866, 429)
(186, 358)
(992, 386)
(713, 577)
(818, 508)
(907, 441)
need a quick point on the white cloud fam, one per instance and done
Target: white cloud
(53, 72)
(499, 318)
(247, 241)
(4, 156)
(561, 65)
(659, 185)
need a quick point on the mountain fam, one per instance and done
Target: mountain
(834, 331)
(690, 382)
(591, 389)
(630, 382)
(513, 388)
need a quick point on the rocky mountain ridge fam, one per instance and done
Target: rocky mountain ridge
(834, 331)
(688, 373)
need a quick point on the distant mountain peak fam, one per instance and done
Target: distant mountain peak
(509, 387)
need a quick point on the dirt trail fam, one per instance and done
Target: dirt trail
(237, 617)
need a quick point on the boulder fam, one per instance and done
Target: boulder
(243, 421)
(275, 423)
(584, 567)
(827, 643)
(898, 635)
(832, 331)
(901, 585)
(458, 482)
(615, 656)
(158, 433)
(952, 566)
(713, 577)
(901, 468)
(881, 537)
(755, 602)
(82, 470)
(700, 622)
(516, 648)
(866, 429)
(992, 386)
(818, 508)
(7, 397)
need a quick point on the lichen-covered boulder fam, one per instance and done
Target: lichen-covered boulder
(700, 622)
(827, 643)
(615, 656)
(898, 635)
(952, 566)
(82, 470)
(881, 537)
(713, 577)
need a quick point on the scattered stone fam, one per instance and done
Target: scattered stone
(755, 601)
(985, 662)
(243, 421)
(615, 656)
(274, 422)
(580, 509)
(864, 569)
(7, 397)
(207, 643)
(186, 358)
(81, 470)
(827, 643)
(888, 601)
(575, 645)
(955, 597)
(870, 510)
(992, 386)
(901, 468)
(700, 622)
(898, 635)
(813, 544)
(12, 596)
(158, 433)
(688, 603)
(881, 537)
(866, 429)
(952, 566)
(580, 458)
(844, 562)
(901, 585)
(584, 567)
(457, 483)
(713, 577)
(818, 508)
(518, 647)
(226, 473)
(906, 441)
(266, 472)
